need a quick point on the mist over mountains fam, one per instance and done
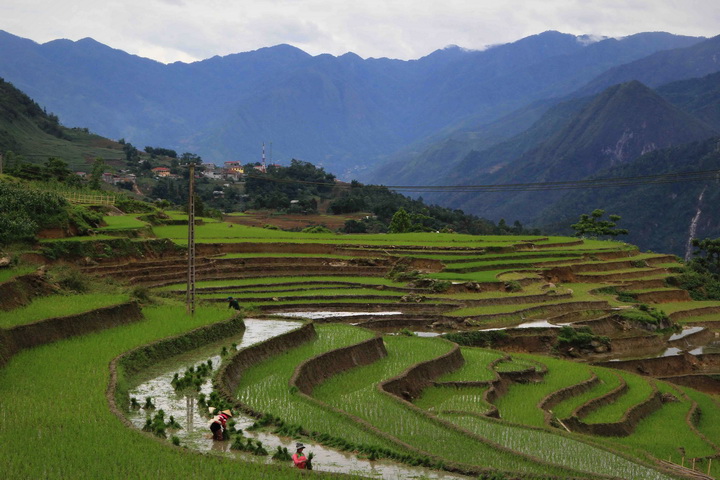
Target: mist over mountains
(550, 107)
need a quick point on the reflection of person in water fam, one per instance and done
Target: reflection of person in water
(299, 457)
(232, 303)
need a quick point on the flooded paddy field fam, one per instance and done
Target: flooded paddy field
(155, 383)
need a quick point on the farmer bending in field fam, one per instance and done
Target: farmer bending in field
(219, 423)
(233, 303)
(299, 458)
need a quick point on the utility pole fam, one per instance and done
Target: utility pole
(190, 299)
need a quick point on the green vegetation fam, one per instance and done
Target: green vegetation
(476, 367)
(639, 390)
(68, 385)
(59, 306)
(355, 392)
(466, 399)
(264, 387)
(592, 226)
(609, 380)
(514, 406)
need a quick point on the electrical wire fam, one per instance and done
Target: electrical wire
(608, 182)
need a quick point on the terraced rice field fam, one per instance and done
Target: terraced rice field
(489, 281)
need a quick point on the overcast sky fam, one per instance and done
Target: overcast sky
(189, 30)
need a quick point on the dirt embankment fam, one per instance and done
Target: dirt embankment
(549, 309)
(593, 404)
(664, 296)
(557, 397)
(53, 329)
(684, 364)
(414, 380)
(695, 312)
(625, 426)
(22, 289)
(701, 382)
(228, 377)
(316, 370)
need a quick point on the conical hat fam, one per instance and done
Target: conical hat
(211, 410)
(227, 412)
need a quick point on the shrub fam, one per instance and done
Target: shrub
(71, 279)
(645, 314)
(26, 210)
(477, 339)
(581, 337)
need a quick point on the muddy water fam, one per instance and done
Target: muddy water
(195, 433)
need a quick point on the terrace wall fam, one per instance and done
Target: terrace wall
(228, 377)
(625, 426)
(410, 384)
(22, 289)
(669, 366)
(59, 328)
(316, 370)
(14, 339)
(701, 382)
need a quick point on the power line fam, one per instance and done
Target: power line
(608, 182)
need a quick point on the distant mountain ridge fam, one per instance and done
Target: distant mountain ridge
(345, 113)
(613, 128)
(482, 143)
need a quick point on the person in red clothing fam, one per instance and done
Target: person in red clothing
(299, 457)
(219, 424)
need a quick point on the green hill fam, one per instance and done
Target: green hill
(30, 132)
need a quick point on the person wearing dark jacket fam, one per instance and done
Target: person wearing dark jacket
(232, 303)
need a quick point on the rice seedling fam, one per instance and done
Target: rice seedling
(264, 387)
(355, 392)
(268, 281)
(476, 367)
(519, 404)
(609, 380)
(665, 434)
(59, 306)
(558, 449)
(122, 222)
(639, 390)
(65, 384)
(466, 399)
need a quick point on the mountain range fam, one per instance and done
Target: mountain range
(547, 108)
(344, 113)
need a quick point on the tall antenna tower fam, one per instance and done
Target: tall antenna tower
(264, 168)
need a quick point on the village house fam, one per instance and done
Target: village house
(161, 171)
